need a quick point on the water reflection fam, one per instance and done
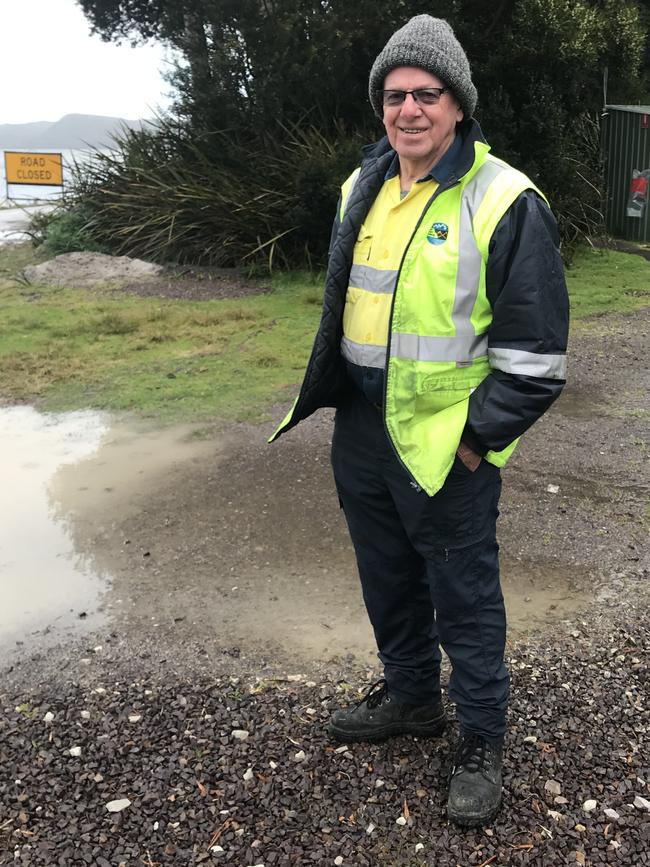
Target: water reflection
(43, 582)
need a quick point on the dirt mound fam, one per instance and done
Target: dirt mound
(146, 279)
(89, 269)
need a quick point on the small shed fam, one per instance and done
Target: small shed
(626, 146)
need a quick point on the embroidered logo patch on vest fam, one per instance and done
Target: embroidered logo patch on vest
(438, 233)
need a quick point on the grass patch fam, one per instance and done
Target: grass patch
(169, 359)
(604, 281)
(181, 360)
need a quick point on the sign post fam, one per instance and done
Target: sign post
(33, 169)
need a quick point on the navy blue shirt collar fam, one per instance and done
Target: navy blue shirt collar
(442, 170)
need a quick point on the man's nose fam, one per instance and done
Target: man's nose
(410, 105)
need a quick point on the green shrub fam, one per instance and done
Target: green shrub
(221, 199)
(63, 230)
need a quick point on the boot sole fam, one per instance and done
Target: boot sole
(473, 821)
(432, 729)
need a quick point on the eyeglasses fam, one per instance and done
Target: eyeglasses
(423, 96)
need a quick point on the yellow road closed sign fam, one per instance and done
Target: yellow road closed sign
(26, 168)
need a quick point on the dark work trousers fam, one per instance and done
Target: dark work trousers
(429, 570)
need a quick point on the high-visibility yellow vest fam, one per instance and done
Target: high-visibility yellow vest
(378, 251)
(436, 352)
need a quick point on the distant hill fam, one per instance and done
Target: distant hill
(73, 131)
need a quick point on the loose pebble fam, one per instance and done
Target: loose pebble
(338, 860)
(135, 717)
(240, 734)
(49, 716)
(75, 752)
(300, 756)
(118, 805)
(183, 767)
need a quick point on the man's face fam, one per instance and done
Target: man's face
(420, 133)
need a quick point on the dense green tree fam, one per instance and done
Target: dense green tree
(246, 66)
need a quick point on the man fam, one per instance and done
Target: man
(442, 339)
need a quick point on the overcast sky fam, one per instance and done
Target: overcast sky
(50, 65)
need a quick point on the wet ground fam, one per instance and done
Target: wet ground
(14, 221)
(212, 535)
(225, 600)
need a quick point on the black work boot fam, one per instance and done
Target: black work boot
(378, 716)
(475, 781)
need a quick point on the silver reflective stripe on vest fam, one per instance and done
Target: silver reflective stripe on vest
(372, 279)
(523, 363)
(414, 347)
(363, 354)
(468, 274)
(466, 345)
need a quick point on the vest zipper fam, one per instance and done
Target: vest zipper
(441, 189)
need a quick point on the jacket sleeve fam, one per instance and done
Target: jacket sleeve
(527, 339)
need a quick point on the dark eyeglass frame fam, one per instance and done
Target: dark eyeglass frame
(421, 95)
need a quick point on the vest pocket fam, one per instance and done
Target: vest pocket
(362, 249)
(435, 392)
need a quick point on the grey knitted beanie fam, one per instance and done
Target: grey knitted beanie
(430, 44)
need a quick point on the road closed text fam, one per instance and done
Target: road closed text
(34, 168)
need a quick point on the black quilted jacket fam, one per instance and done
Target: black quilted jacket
(525, 285)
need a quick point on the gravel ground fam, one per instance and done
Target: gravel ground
(237, 770)
(151, 713)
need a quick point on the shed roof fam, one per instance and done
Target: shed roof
(637, 109)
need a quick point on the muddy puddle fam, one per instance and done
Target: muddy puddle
(51, 583)
(107, 524)
(45, 583)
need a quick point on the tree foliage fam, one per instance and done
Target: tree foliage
(253, 68)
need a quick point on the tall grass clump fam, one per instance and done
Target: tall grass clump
(221, 199)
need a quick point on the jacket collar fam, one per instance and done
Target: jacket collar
(469, 132)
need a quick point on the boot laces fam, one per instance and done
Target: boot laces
(474, 754)
(375, 694)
